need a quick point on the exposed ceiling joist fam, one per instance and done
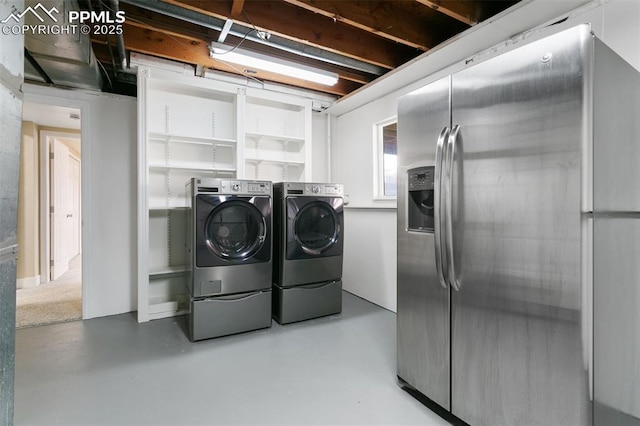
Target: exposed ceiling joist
(466, 11)
(456, 9)
(236, 8)
(156, 10)
(138, 16)
(382, 18)
(304, 26)
(174, 27)
(357, 40)
(196, 52)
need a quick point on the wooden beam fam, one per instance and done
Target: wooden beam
(195, 52)
(141, 17)
(469, 12)
(172, 26)
(310, 28)
(387, 19)
(236, 8)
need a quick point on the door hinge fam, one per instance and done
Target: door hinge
(51, 155)
(51, 208)
(51, 263)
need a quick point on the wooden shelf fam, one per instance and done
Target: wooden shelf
(282, 162)
(187, 165)
(164, 208)
(256, 155)
(164, 310)
(167, 272)
(153, 315)
(169, 138)
(283, 138)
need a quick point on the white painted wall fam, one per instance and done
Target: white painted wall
(370, 255)
(369, 258)
(109, 192)
(28, 264)
(319, 157)
(368, 232)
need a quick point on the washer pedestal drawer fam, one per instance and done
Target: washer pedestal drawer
(222, 315)
(307, 301)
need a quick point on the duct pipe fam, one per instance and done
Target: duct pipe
(274, 41)
(122, 52)
(329, 147)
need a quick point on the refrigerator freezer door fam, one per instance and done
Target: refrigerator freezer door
(517, 349)
(423, 303)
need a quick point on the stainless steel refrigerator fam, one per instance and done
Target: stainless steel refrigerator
(519, 237)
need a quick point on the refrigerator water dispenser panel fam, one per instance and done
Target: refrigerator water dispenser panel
(420, 199)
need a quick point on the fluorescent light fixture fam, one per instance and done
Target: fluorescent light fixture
(256, 60)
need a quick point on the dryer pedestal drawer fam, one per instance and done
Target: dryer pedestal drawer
(223, 315)
(303, 271)
(307, 301)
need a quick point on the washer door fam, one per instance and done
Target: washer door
(314, 227)
(235, 230)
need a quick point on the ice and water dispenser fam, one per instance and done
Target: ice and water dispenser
(420, 200)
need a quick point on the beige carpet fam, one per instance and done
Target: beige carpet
(55, 301)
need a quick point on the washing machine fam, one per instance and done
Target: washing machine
(308, 244)
(229, 256)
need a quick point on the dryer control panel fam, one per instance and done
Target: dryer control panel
(314, 189)
(245, 187)
(333, 190)
(231, 186)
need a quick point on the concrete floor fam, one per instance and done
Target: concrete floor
(338, 370)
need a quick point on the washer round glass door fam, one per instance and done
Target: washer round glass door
(235, 230)
(316, 227)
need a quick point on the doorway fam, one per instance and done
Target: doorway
(49, 285)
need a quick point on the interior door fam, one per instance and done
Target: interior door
(75, 226)
(517, 349)
(61, 209)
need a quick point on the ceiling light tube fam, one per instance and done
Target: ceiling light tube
(256, 60)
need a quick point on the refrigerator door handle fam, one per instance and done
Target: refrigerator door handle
(451, 157)
(438, 205)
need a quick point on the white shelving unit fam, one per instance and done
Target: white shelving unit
(277, 137)
(186, 129)
(194, 127)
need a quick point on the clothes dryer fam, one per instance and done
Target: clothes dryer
(307, 270)
(229, 248)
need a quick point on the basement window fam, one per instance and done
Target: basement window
(386, 159)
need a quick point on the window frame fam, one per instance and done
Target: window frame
(378, 160)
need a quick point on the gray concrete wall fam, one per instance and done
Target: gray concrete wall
(11, 77)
